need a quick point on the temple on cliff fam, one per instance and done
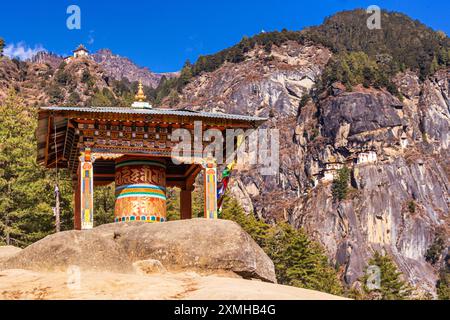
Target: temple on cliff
(132, 147)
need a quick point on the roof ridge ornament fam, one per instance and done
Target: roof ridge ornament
(140, 98)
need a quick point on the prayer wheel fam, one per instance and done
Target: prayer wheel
(140, 190)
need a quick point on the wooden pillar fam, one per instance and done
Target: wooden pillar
(186, 202)
(84, 193)
(77, 206)
(210, 188)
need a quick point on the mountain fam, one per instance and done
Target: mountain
(388, 123)
(118, 68)
(50, 79)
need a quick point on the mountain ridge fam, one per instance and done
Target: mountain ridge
(114, 65)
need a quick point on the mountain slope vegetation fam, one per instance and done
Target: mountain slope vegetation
(401, 43)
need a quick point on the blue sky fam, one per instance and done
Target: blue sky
(161, 35)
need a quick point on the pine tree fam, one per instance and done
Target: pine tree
(298, 261)
(198, 208)
(443, 284)
(340, 184)
(257, 229)
(392, 286)
(434, 252)
(173, 204)
(26, 189)
(434, 65)
(104, 199)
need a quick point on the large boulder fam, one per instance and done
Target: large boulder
(8, 251)
(87, 250)
(198, 244)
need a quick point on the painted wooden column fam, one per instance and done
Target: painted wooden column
(84, 195)
(210, 188)
(186, 202)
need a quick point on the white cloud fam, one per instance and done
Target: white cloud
(22, 51)
(91, 38)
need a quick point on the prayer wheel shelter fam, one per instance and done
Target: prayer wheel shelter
(133, 148)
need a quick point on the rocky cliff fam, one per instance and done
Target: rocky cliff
(118, 68)
(396, 149)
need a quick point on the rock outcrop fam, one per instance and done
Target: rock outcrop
(24, 284)
(201, 245)
(8, 251)
(119, 68)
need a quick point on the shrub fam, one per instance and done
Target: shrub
(411, 206)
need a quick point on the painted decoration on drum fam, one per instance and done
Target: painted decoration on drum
(140, 191)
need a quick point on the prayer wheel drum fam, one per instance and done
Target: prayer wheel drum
(140, 190)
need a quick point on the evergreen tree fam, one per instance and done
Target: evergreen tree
(434, 65)
(185, 76)
(434, 252)
(198, 208)
(26, 189)
(173, 204)
(340, 184)
(104, 200)
(298, 261)
(443, 284)
(392, 286)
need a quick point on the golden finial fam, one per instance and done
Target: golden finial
(140, 96)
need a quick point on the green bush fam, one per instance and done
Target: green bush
(411, 206)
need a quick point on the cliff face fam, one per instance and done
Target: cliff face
(397, 152)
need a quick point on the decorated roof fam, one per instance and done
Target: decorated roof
(60, 130)
(154, 111)
(81, 48)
